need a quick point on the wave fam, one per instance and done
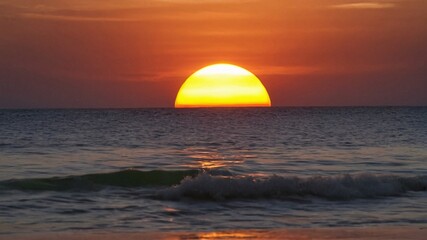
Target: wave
(221, 185)
(343, 187)
(125, 178)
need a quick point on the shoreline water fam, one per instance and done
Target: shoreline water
(77, 173)
(348, 233)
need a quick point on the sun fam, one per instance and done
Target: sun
(222, 85)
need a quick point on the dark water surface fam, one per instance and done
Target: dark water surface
(211, 169)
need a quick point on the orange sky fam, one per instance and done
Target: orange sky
(135, 53)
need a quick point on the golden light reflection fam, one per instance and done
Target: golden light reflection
(222, 85)
(253, 234)
(226, 235)
(204, 158)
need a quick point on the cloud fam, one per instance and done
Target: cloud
(75, 18)
(364, 5)
(126, 10)
(285, 70)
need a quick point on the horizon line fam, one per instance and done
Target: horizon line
(172, 107)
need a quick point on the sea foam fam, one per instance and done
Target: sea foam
(342, 187)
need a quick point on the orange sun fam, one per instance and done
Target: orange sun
(222, 85)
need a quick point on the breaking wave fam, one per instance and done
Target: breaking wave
(221, 185)
(343, 187)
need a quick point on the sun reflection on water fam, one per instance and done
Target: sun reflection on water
(226, 235)
(206, 158)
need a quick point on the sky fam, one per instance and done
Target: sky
(137, 53)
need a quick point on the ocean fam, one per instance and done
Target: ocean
(171, 170)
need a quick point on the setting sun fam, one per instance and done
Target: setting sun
(222, 85)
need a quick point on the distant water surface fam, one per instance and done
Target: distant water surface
(212, 169)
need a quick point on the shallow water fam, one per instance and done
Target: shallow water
(211, 169)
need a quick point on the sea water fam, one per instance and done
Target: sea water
(211, 169)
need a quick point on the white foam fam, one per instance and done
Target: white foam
(343, 187)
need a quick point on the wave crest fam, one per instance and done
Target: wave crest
(343, 187)
(125, 178)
